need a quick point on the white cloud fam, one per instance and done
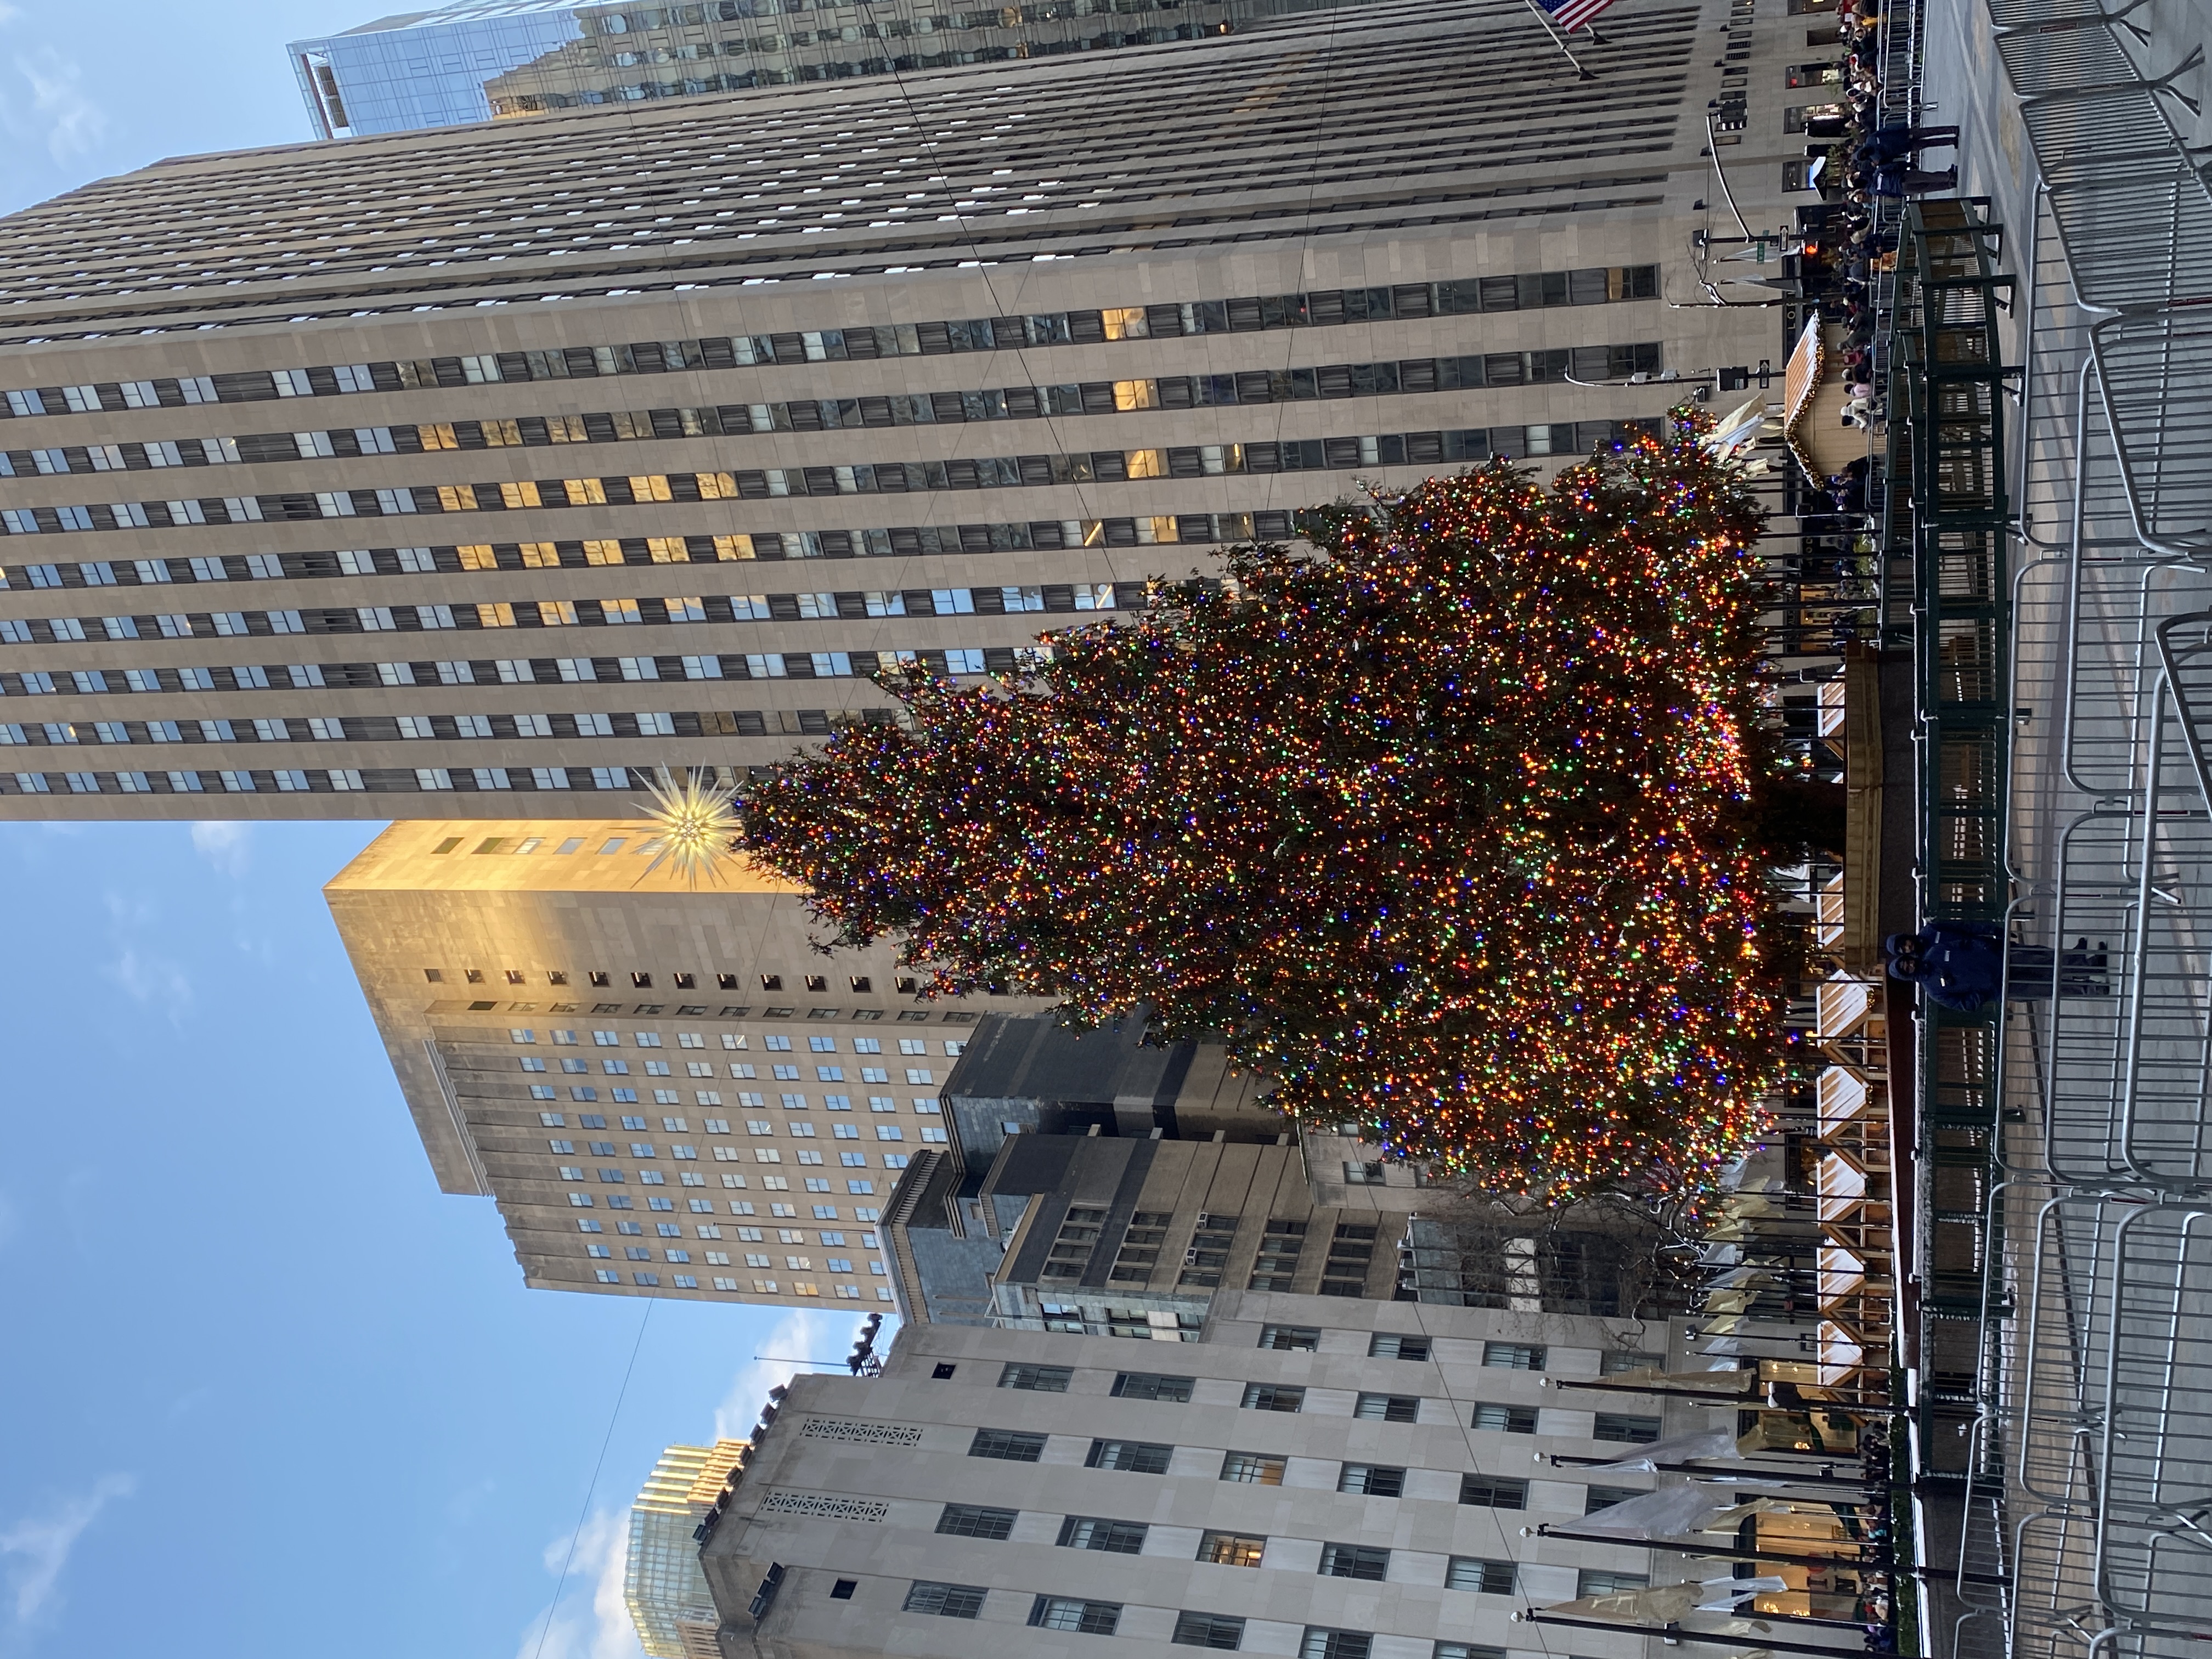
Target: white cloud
(802, 1334)
(597, 1627)
(59, 112)
(37, 1548)
(227, 846)
(150, 979)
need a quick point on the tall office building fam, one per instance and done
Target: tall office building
(667, 1092)
(373, 478)
(490, 59)
(663, 1587)
(1312, 1476)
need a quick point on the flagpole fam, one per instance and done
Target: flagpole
(1559, 40)
(1676, 1633)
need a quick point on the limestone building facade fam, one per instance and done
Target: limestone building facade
(1322, 1477)
(667, 1092)
(383, 476)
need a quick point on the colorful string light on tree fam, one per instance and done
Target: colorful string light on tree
(1451, 828)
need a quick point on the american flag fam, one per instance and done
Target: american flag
(1571, 14)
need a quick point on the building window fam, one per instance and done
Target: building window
(1614, 1361)
(843, 1589)
(1388, 1408)
(1514, 1356)
(1231, 1549)
(1371, 1480)
(1369, 1561)
(1067, 1612)
(1293, 1338)
(948, 1601)
(1490, 1577)
(1008, 1445)
(1506, 1419)
(1321, 1644)
(1149, 1385)
(1397, 1347)
(1208, 1629)
(975, 1520)
(1466, 1651)
(1130, 1456)
(1604, 1497)
(1273, 1397)
(1494, 1492)
(1622, 1426)
(1601, 1581)
(1087, 1532)
(1254, 1468)
(1041, 1379)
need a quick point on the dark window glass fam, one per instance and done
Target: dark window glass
(1131, 1457)
(1371, 1480)
(975, 1520)
(1506, 1419)
(1604, 1497)
(1290, 1338)
(1397, 1347)
(1321, 1644)
(1491, 1577)
(1148, 1385)
(1208, 1629)
(1273, 1397)
(1494, 1491)
(1354, 1561)
(1623, 1426)
(1388, 1408)
(1069, 1612)
(1043, 1379)
(1010, 1445)
(952, 1600)
(1088, 1532)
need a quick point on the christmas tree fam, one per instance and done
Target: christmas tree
(1451, 828)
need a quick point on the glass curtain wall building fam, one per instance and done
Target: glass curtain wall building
(663, 1585)
(476, 62)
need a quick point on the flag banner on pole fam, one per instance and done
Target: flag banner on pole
(1571, 14)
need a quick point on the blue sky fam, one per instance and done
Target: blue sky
(263, 1379)
(89, 90)
(265, 1389)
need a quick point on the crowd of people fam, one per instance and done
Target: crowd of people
(1861, 161)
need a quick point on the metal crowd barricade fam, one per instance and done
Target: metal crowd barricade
(2091, 1477)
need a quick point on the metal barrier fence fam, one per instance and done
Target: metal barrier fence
(2090, 1458)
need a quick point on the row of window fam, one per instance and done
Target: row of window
(371, 728)
(737, 1208)
(773, 1183)
(773, 1042)
(1321, 308)
(1623, 1426)
(651, 611)
(928, 1105)
(760, 1287)
(1219, 1630)
(334, 780)
(1222, 1630)
(1411, 375)
(895, 541)
(1470, 444)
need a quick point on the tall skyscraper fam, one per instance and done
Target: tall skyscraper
(1329, 1478)
(663, 1587)
(490, 59)
(668, 1092)
(995, 346)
